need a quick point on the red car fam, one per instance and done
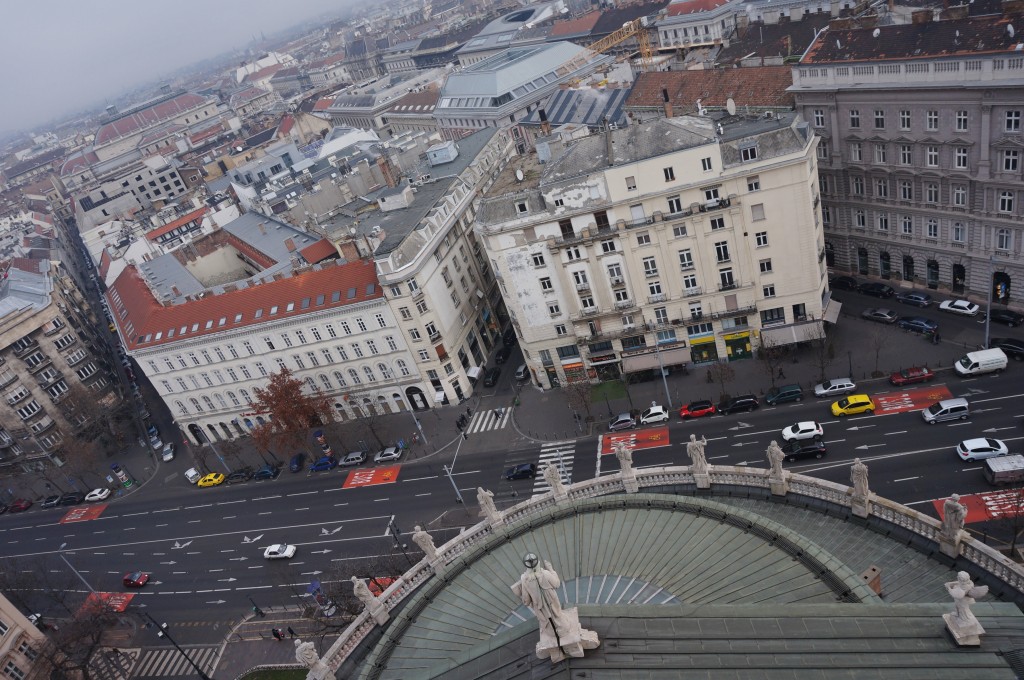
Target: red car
(136, 579)
(908, 376)
(21, 505)
(696, 409)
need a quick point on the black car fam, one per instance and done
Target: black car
(491, 376)
(267, 472)
(1011, 347)
(50, 502)
(745, 402)
(843, 283)
(501, 356)
(508, 338)
(73, 498)
(1007, 316)
(804, 448)
(879, 290)
(240, 475)
(523, 471)
(298, 462)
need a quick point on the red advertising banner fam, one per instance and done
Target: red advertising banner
(653, 438)
(381, 475)
(83, 513)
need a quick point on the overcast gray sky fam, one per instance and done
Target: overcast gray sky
(60, 56)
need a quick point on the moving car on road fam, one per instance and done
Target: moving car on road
(491, 376)
(971, 450)
(915, 298)
(852, 405)
(807, 429)
(655, 414)
(388, 454)
(836, 386)
(876, 289)
(697, 409)
(1011, 347)
(135, 579)
(279, 551)
(879, 314)
(324, 464)
(744, 402)
(97, 495)
(1007, 317)
(20, 505)
(212, 479)
(804, 448)
(501, 356)
(521, 471)
(623, 421)
(917, 324)
(962, 307)
(909, 376)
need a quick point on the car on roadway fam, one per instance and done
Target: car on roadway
(521, 471)
(491, 376)
(156, 442)
(501, 356)
(742, 403)
(917, 324)
(268, 471)
(387, 454)
(509, 337)
(212, 479)
(522, 373)
(909, 376)
(804, 448)
(852, 405)
(1011, 347)
(243, 474)
(697, 409)
(914, 298)
(72, 498)
(807, 429)
(623, 421)
(971, 450)
(279, 551)
(1007, 317)
(843, 283)
(20, 505)
(783, 394)
(962, 307)
(876, 289)
(135, 579)
(50, 502)
(97, 495)
(167, 455)
(879, 314)
(324, 464)
(297, 462)
(353, 458)
(655, 414)
(835, 386)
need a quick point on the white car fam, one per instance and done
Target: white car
(168, 453)
(97, 495)
(655, 414)
(805, 430)
(387, 454)
(279, 551)
(964, 307)
(835, 386)
(971, 450)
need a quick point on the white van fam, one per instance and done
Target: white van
(982, 361)
(193, 475)
(947, 409)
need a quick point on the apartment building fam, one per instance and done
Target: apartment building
(670, 241)
(366, 106)
(922, 151)
(20, 642)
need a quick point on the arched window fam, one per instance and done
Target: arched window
(195, 405)
(310, 384)
(182, 409)
(208, 402)
(326, 381)
(220, 400)
(402, 367)
(370, 377)
(340, 378)
(354, 377)
(385, 371)
(234, 398)
(245, 395)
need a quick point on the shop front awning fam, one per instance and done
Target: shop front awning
(669, 357)
(474, 372)
(832, 311)
(792, 334)
(439, 397)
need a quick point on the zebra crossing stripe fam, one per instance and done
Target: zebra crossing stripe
(556, 453)
(161, 663)
(484, 421)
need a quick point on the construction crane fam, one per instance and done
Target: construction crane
(631, 29)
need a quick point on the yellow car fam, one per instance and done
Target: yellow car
(852, 405)
(212, 479)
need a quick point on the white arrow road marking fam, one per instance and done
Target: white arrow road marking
(739, 426)
(868, 446)
(859, 427)
(996, 429)
(216, 602)
(325, 532)
(320, 552)
(246, 539)
(227, 580)
(179, 546)
(311, 573)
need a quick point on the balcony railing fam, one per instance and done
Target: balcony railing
(625, 304)
(715, 204)
(43, 425)
(660, 297)
(22, 351)
(19, 397)
(7, 377)
(46, 361)
(732, 285)
(617, 281)
(583, 285)
(692, 292)
(651, 273)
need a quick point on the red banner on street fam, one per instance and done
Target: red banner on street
(381, 475)
(988, 506)
(84, 513)
(635, 439)
(910, 400)
(110, 602)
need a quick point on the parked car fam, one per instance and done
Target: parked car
(324, 464)
(1011, 347)
(50, 502)
(297, 462)
(836, 386)
(20, 505)
(962, 307)
(879, 314)
(915, 298)
(156, 442)
(852, 405)
(353, 458)
(917, 324)
(267, 472)
(240, 475)
(168, 453)
(212, 479)
(501, 356)
(135, 579)
(697, 409)
(1007, 317)
(72, 498)
(879, 290)
(843, 283)
(807, 429)
(744, 402)
(387, 454)
(522, 373)
(97, 495)
(655, 414)
(508, 338)
(521, 471)
(783, 394)
(279, 551)
(804, 448)
(971, 450)
(491, 376)
(152, 430)
(623, 421)
(909, 376)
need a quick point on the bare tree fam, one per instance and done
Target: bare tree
(293, 407)
(721, 372)
(771, 355)
(82, 457)
(824, 351)
(578, 396)
(1007, 508)
(879, 338)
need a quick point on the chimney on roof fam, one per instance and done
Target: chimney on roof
(545, 126)
(263, 228)
(665, 101)
(348, 250)
(289, 243)
(174, 289)
(387, 170)
(608, 142)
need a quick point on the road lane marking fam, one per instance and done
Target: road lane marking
(905, 479)
(972, 469)
(338, 505)
(887, 434)
(193, 507)
(471, 472)
(230, 502)
(230, 516)
(266, 498)
(167, 510)
(422, 494)
(420, 479)
(161, 525)
(250, 588)
(716, 457)
(378, 500)
(300, 508)
(302, 493)
(264, 513)
(132, 514)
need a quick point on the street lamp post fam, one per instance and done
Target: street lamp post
(163, 632)
(209, 441)
(72, 568)
(449, 469)
(991, 290)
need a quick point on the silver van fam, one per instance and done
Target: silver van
(947, 409)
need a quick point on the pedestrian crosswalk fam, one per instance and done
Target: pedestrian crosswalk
(169, 662)
(110, 663)
(559, 454)
(490, 419)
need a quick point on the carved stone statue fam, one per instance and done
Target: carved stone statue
(488, 511)
(961, 622)
(775, 457)
(554, 479)
(859, 477)
(425, 542)
(305, 653)
(695, 450)
(625, 456)
(374, 606)
(560, 632)
(953, 516)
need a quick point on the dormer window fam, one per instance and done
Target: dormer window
(521, 207)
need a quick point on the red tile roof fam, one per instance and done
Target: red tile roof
(761, 87)
(181, 221)
(148, 117)
(27, 264)
(263, 74)
(147, 317)
(321, 250)
(323, 104)
(582, 25)
(286, 125)
(693, 6)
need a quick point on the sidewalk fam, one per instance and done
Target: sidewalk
(251, 644)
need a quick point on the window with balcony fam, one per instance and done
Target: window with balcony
(581, 281)
(1006, 202)
(685, 259)
(931, 192)
(725, 279)
(28, 409)
(654, 288)
(650, 267)
(882, 188)
(906, 190)
(960, 196)
(615, 274)
(587, 303)
(722, 251)
(1004, 239)
(690, 283)
(622, 296)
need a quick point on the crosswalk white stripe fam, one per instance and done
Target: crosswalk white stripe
(484, 421)
(169, 663)
(148, 661)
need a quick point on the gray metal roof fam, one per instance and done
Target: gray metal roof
(22, 290)
(584, 107)
(515, 67)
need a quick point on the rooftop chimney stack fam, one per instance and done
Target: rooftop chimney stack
(608, 142)
(545, 126)
(667, 103)
(263, 228)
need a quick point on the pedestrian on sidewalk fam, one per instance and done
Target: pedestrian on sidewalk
(292, 633)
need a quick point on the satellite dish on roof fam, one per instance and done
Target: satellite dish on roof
(519, 174)
(730, 106)
(875, 33)
(1009, 29)
(839, 45)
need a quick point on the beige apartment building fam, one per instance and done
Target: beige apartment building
(20, 641)
(674, 241)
